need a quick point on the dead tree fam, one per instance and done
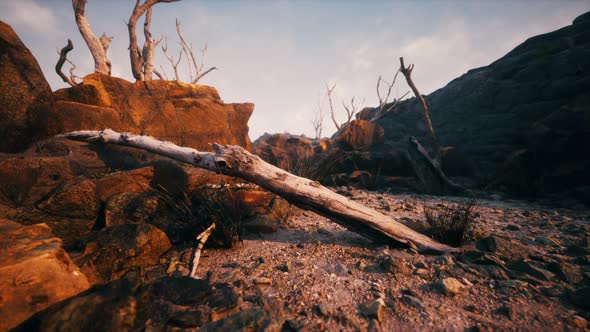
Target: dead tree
(318, 120)
(305, 193)
(384, 105)
(63, 57)
(173, 63)
(199, 69)
(98, 46)
(407, 72)
(350, 110)
(141, 59)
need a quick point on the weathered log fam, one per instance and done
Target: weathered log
(307, 194)
(429, 172)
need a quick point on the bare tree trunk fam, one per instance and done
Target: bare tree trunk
(148, 47)
(407, 72)
(63, 57)
(138, 61)
(305, 193)
(102, 65)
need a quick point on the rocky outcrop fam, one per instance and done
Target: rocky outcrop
(35, 272)
(519, 121)
(24, 92)
(360, 135)
(166, 304)
(115, 250)
(188, 115)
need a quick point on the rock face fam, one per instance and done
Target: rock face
(35, 272)
(167, 304)
(520, 120)
(23, 92)
(188, 115)
(114, 250)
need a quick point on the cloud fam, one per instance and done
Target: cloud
(30, 14)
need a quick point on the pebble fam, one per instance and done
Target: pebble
(449, 286)
(373, 309)
(262, 281)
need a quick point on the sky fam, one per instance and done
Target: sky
(281, 54)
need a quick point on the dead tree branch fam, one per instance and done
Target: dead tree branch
(305, 193)
(192, 60)
(407, 72)
(202, 238)
(318, 120)
(138, 60)
(383, 101)
(63, 57)
(329, 95)
(351, 110)
(171, 60)
(98, 47)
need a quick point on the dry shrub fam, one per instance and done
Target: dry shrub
(224, 207)
(451, 223)
(207, 204)
(308, 167)
(282, 211)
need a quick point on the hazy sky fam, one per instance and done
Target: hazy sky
(279, 54)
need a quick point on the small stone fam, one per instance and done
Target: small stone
(324, 309)
(262, 281)
(394, 265)
(361, 265)
(449, 286)
(412, 301)
(373, 309)
(526, 267)
(421, 272)
(446, 260)
(324, 232)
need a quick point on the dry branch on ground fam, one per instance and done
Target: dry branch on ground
(236, 161)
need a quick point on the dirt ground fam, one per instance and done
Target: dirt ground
(329, 278)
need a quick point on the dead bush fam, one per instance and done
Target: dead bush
(451, 223)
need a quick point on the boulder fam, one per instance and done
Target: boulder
(35, 272)
(24, 92)
(166, 304)
(113, 251)
(360, 135)
(188, 115)
(518, 121)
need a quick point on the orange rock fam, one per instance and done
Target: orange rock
(35, 272)
(189, 115)
(361, 134)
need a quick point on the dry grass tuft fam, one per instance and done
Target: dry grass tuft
(451, 223)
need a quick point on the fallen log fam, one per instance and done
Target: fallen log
(304, 193)
(429, 172)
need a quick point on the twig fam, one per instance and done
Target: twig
(202, 238)
(63, 57)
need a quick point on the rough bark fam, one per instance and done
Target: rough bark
(148, 47)
(305, 193)
(97, 48)
(135, 54)
(407, 72)
(63, 57)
